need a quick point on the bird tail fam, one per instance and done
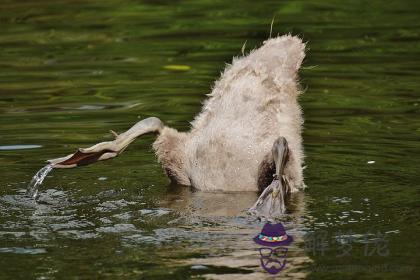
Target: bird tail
(278, 60)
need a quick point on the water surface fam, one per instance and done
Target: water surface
(72, 70)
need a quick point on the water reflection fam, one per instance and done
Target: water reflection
(222, 218)
(215, 221)
(208, 204)
(18, 147)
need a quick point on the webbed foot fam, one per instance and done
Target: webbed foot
(108, 149)
(271, 202)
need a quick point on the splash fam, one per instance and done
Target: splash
(37, 180)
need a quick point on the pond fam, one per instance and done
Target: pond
(73, 70)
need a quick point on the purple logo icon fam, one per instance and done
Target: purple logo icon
(273, 255)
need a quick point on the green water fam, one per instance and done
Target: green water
(72, 70)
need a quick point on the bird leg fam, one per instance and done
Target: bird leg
(271, 202)
(108, 149)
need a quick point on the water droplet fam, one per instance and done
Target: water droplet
(37, 180)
